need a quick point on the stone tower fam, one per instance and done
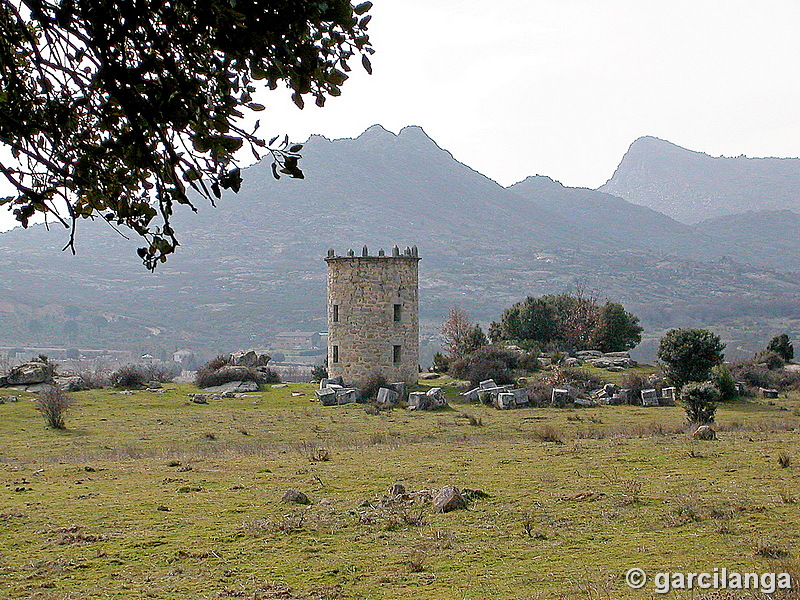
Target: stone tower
(373, 316)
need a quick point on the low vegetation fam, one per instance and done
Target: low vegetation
(53, 404)
(700, 402)
(131, 377)
(222, 370)
(148, 495)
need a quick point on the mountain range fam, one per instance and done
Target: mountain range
(252, 267)
(693, 186)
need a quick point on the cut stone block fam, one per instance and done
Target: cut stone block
(559, 396)
(649, 397)
(326, 396)
(505, 400)
(387, 397)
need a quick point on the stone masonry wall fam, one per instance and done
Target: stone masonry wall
(363, 328)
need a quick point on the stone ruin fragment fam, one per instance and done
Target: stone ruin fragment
(499, 396)
(431, 400)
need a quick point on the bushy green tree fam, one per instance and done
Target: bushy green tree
(773, 360)
(533, 319)
(568, 322)
(724, 382)
(487, 363)
(617, 330)
(441, 363)
(700, 402)
(689, 355)
(781, 346)
(477, 339)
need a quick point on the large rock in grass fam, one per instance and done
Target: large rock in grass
(30, 373)
(704, 432)
(74, 383)
(233, 387)
(449, 498)
(296, 497)
(250, 358)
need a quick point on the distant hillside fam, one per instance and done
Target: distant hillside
(254, 266)
(756, 235)
(599, 218)
(691, 186)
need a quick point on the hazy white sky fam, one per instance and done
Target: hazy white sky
(562, 87)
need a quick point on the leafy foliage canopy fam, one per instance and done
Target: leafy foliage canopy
(690, 354)
(116, 108)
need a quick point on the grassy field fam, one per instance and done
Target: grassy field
(146, 495)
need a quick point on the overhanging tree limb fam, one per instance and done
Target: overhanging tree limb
(114, 108)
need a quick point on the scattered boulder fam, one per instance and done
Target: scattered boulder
(768, 393)
(30, 373)
(416, 401)
(669, 396)
(606, 393)
(295, 496)
(559, 397)
(234, 387)
(250, 359)
(74, 383)
(35, 388)
(203, 398)
(510, 399)
(504, 400)
(618, 360)
(397, 490)
(449, 498)
(348, 395)
(428, 375)
(704, 432)
(334, 395)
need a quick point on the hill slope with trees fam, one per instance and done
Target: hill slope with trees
(254, 266)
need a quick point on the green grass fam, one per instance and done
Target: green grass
(136, 500)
